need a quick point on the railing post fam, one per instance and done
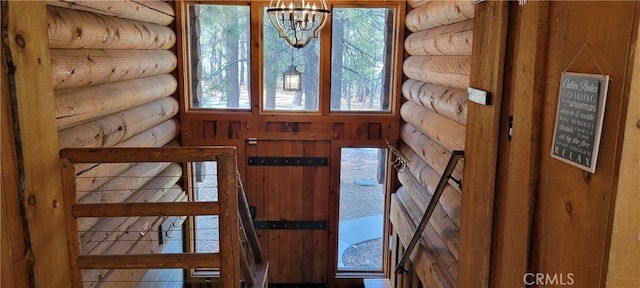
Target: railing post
(228, 221)
(68, 174)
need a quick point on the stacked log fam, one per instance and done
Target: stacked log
(73, 29)
(157, 12)
(131, 243)
(111, 72)
(434, 14)
(450, 71)
(100, 236)
(74, 68)
(446, 132)
(446, 101)
(75, 106)
(454, 39)
(438, 69)
(119, 127)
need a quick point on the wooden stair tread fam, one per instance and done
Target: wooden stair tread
(377, 283)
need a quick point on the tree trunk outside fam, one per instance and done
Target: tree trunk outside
(310, 76)
(337, 54)
(385, 92)
(194, 22)
(231, 37)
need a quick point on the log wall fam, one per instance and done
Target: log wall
(435, 112)
(113, 87)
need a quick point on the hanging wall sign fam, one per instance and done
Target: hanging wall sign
(578, 127)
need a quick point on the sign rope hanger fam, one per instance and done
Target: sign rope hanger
(588, 46)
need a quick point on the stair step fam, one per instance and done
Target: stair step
(377, 283)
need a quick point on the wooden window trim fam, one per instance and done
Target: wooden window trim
(256, 66)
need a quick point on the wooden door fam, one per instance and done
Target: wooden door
(288, 184)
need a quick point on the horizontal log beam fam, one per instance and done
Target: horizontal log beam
(453, 39)
(422, 259)
(444, 131)
(75, 106)
(108, 231)
(115, 128)
(451, 198)
(172, 154)
(450, 71)
(157, 136)
(458, 65)
(131, 243)
(118, 189)
(92, 175)
(152, 11)
(417, 3)
(73, 29)
(150, 261)
(73, 68)
(443, 257)
(430, 151)
(146, 209)
(446, 101)
(441, 222)
(439, 13)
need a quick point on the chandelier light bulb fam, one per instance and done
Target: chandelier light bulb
(300, 22)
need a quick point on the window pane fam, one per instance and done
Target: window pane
(278, 56)
(362, 194)
(206, 232)
(219, 53)
(361, 64)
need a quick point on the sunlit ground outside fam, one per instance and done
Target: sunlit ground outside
(361, 210)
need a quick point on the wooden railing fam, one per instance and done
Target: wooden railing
(239, 259)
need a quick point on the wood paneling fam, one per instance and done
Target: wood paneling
(481, 145)
(519, 161)
(574, 209)
(40, 176)
(343, 130)
(624, 269)
(12, 237)
(552, 218)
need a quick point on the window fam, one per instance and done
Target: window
(223, 36)
(219, 56)
(204, 233)
(362, 198)
(361, 59)
(278, 56)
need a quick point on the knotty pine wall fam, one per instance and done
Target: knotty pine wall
(437, 68)
(523, 211)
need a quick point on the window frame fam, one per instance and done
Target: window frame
(256, 66)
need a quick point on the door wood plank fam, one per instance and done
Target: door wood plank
(284, 173)
(272, 205)
(297, 237)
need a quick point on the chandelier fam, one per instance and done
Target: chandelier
(298, 21)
